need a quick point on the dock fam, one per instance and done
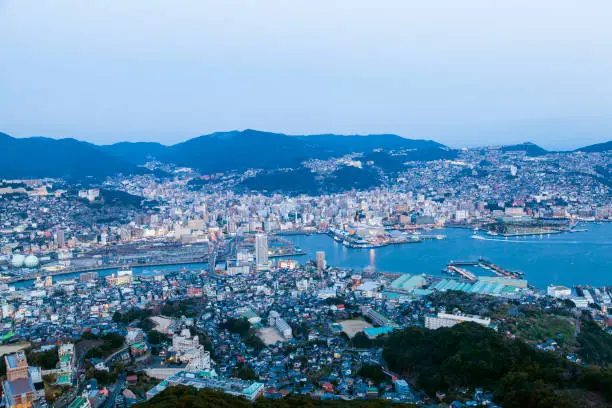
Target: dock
(466, 274)
(499, 270)
(454, 266)
(464, 263)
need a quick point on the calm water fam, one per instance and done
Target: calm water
(568, 258)
(137, 270)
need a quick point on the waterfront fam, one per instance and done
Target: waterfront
(568, 258)
(579, 258)
(137, 270)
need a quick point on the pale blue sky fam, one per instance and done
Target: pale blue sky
(461, 72)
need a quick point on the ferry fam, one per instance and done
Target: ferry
(572, 230)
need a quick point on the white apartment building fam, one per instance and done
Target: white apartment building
(449, 320)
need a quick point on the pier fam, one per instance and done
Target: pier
(453, 266)
(499, 270)
(466, 274)
(464, 263)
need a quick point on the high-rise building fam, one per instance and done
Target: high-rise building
(261, 251)
(321, 262)
(16, 366)
(60, 240)
(18, 387)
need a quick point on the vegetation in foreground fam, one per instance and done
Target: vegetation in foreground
(187, 397)
(469, 355)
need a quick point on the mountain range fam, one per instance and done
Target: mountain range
(599, 147)
(240, 150)
(217, 152)
(57, 158)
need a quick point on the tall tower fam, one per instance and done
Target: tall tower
(59, 238)
(261, 251)
(321, 262)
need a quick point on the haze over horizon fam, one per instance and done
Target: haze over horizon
(166, 71)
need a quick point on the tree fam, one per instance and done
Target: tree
(361, 340)
(595, 344)
(188, 397)
(372, 372)
(239, 326)
(255, 342)
(46, 360)
(245, 373)
(469, 355)
(156, 337)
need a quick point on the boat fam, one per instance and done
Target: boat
(476, 236)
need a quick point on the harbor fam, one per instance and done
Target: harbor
(546, 260)
(455, 268)
(371, 237)
(555, 259)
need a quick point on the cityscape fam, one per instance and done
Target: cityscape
(324, 260)
(147, 282)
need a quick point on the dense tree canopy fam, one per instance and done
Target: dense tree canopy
(595, 344)
(469, 355)
(186, 397)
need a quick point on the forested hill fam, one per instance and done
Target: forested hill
(469, 355)
(36, 157)
(187, 397)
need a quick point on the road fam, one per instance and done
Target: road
(110, 359)
(110, 401)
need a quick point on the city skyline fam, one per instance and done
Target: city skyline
(271, 203)
(479, 74)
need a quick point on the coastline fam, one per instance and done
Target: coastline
(62, 272)
(303, 252)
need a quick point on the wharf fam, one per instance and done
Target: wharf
(453, 267)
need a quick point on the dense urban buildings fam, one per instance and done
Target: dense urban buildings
(142, 283)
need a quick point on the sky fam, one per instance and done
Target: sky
(465, 73)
